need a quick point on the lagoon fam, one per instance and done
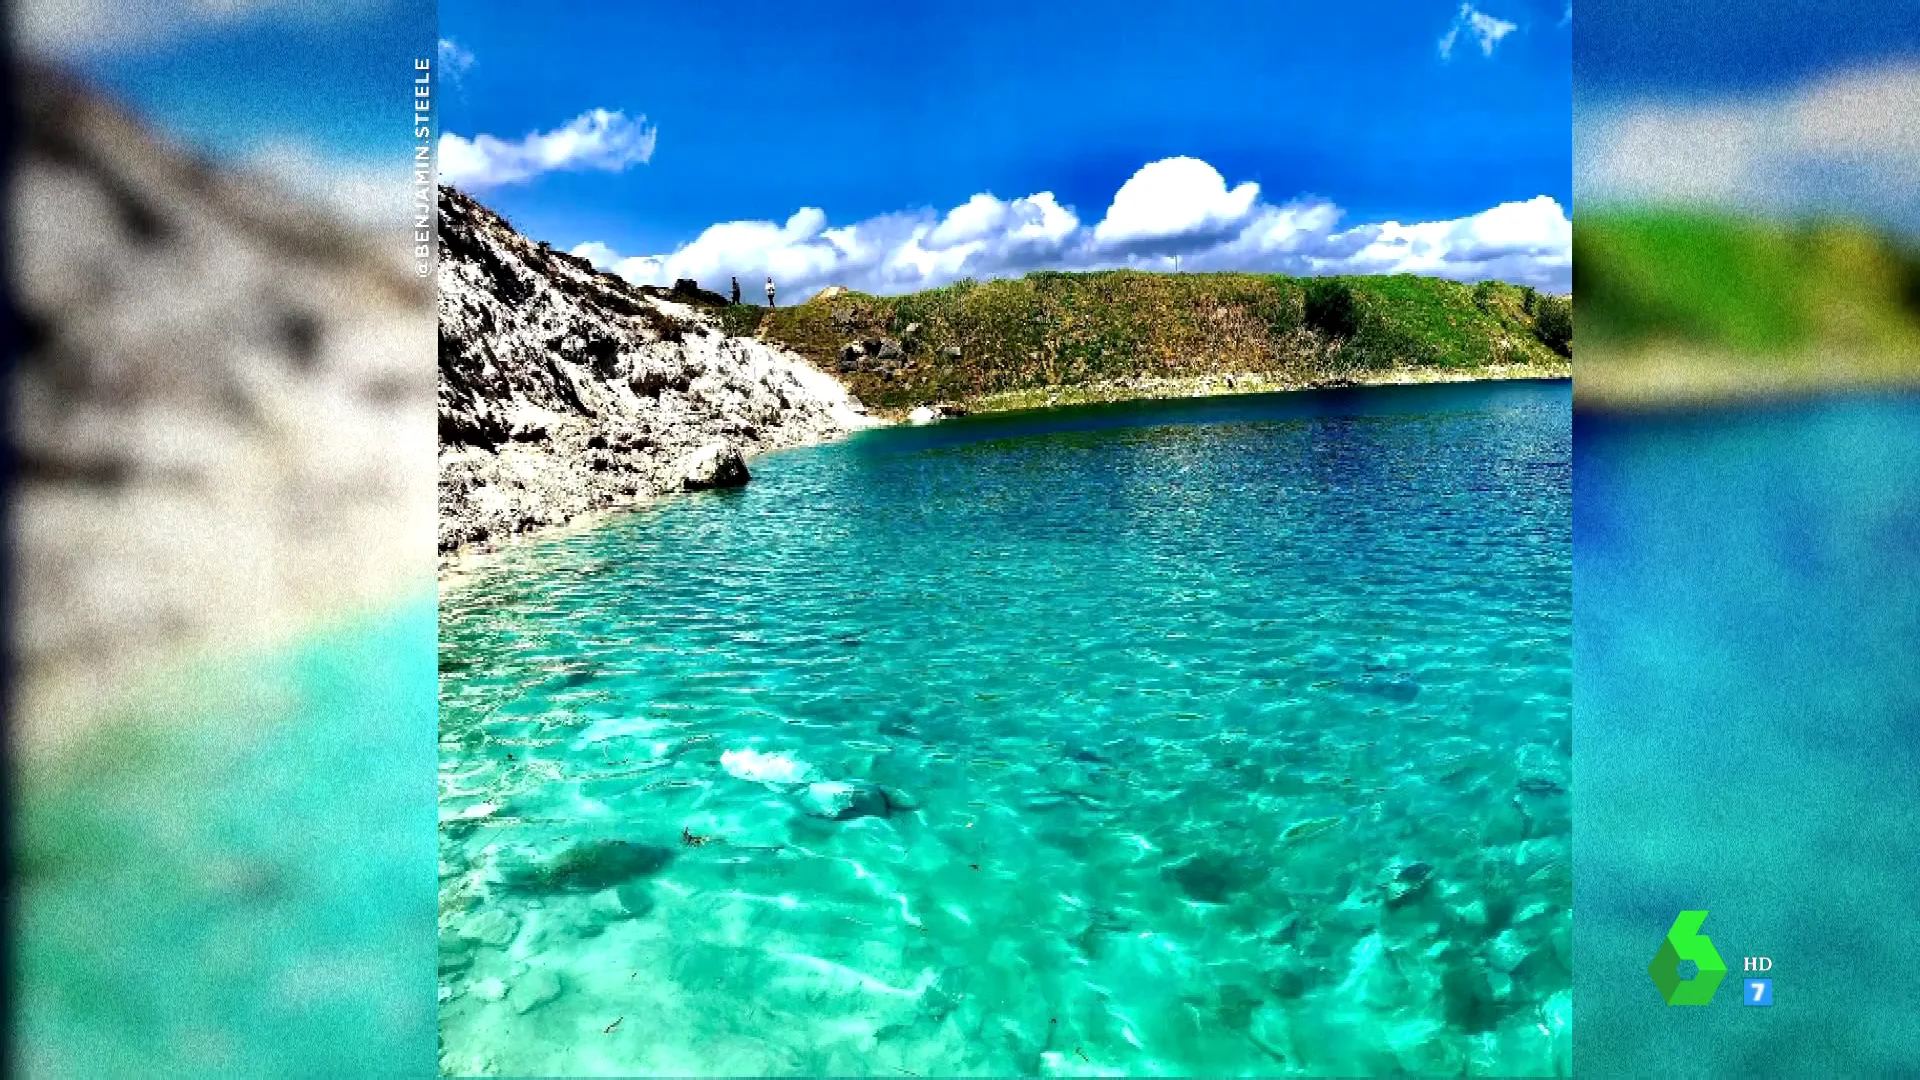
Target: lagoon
(1220, 735)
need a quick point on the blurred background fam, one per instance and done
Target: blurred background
(220, 534)
(1747, 530)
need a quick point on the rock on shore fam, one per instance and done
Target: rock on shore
(564, 390)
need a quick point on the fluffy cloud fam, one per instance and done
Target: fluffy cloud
(1177, 197)
(599, 139)
(1846, 143)
(1530, 242)
(1217, 228)
(1479, 25)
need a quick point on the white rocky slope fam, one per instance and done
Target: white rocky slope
(564, 389)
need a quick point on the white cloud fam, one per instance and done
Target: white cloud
(1178, 196)
(602, 140)
(1530, 242)
(1221, 229)
(1848, 142)
(1860, 114)
(1479, 25)
(455, 61)
(71, 29)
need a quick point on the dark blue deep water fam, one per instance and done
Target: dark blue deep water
(1208, 736)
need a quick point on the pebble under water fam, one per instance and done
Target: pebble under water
(1219, 736)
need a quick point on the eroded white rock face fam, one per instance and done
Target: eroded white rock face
(564, 390)
(923, 415)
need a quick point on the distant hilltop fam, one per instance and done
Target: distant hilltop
(1056, 338)
(1681, 308)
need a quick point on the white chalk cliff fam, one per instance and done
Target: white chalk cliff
(564, 389)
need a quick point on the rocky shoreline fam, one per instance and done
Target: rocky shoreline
(1150, 388)
(564, 390)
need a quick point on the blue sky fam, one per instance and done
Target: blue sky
(329, 79)
(312, 93)
(1723, 47)
(1786, 110)
(868, 112)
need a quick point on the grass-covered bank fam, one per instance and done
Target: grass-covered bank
(1058, 337)
(1687, 308)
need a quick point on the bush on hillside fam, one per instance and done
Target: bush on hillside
(1553, 324)
(1483, 296)
(1331, 309)
(740, 320)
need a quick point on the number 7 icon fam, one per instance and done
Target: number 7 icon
(1759, 992)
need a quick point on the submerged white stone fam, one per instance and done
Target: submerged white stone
(762, 768)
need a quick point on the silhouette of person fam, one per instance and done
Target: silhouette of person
(769, 292)
(736, 291)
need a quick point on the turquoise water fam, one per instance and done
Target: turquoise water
(1213, 736)
(1748, 733)
(227, 881)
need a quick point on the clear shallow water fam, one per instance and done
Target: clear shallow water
(227, 880)
(1748, 729)
(1222, 736)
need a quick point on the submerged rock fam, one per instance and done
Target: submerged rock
(1409, 882)
(838, 800)
(1269, 1029)
(533, 990)
(456, 955)
(492, 927)
(766, 768)
(1400, 689)
(635, 899)
(1213, 879)
(1288, 976)
(1467, 999)
(589, 867)
(1236, 1006)
(1507, 952)
(716, 465)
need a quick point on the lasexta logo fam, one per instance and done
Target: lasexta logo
(1686, 943)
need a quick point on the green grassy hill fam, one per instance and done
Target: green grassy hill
(1687, 306)
(1085, 336)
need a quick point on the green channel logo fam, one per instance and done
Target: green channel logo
(1686, 942)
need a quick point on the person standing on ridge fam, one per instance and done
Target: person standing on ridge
(736, 292)
(769, 292)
